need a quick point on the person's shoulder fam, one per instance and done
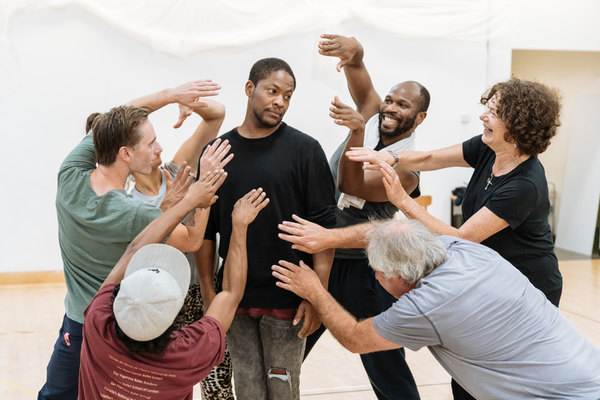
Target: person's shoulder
(228, 135)
(297, 137)
(101, 303)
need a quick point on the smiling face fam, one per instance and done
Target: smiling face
(145, 153)
(494, 129)
(269, 100)
(399, 111)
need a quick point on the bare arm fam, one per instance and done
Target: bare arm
(479, 227)
(358, 337)
(352, 178)
(235, 271)
(311, 238)
(189, 236)
(157, 230)
(186, 94)
(350, 53)
(205, 259)
(212, 115)
(451, 156)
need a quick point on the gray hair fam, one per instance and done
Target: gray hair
(404, 249)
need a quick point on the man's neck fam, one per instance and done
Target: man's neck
(386, 140)
(149, 184)
(252, 129)
(105, 178)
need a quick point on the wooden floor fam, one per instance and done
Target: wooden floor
(31, 316)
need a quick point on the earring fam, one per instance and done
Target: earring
(515, 145)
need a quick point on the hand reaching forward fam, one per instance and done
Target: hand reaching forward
(299, 279)
(346, 48)
(369, 156)
(215, 156)
(202, 193)
(393, 187)
(177, 188)
(345, 115)
(304, 235)
(302, 281)
(247, 208)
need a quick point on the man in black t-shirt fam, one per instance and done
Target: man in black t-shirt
(268, 332)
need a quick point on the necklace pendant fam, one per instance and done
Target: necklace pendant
(489, 182)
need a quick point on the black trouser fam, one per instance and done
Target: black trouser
(461, 394)
(352, 283)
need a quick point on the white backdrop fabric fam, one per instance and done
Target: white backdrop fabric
(186, 27)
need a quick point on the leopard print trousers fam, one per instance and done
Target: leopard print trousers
(217, 385)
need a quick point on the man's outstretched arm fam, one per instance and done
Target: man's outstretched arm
(358, 337)
(187, 95)
(312, 238)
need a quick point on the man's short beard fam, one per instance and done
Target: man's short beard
(404, 125)
(266, 124)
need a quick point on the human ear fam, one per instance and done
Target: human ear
(249, 88)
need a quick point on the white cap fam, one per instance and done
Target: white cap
(152, 293)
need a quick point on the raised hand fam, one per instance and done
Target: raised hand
(184, 112)
(177, 188)
(188, 95)
(215, 156)
(202, 193)
(347, 49)
(345, 115)
(393, 188)
(247, 208)
(304, 235)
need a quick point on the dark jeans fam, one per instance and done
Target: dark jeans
(461, 394)
(62, 373)
(352, 283)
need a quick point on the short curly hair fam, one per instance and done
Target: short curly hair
(530, 111)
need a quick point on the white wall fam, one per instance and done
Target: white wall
(59, 65)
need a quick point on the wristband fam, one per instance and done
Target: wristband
(396, 159)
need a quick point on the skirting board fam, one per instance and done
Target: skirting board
(30, 278)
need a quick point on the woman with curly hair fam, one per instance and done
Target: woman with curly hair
(506, 203)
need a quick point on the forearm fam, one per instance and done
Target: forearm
(351, 176)
(186, 238)
(361, 87)
(236, 264)
(340, 322)
(322, 265)
(350, 237)
(154, 101)
(413, 210)
(205, 261)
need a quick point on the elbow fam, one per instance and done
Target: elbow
(215, 113)
(220, 111)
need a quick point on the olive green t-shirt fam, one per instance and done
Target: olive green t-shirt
(93, 231)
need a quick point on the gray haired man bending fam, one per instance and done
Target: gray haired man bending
(483, 321)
